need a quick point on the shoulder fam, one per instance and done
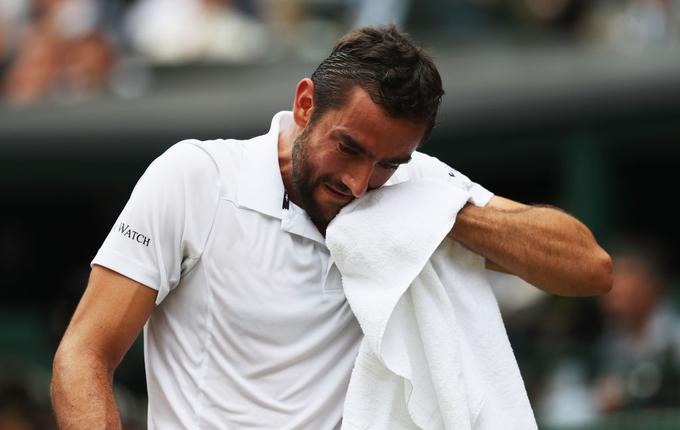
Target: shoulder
(195, 161)
(193, 154)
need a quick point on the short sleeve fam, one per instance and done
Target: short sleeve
(424, 165)
(161, 232)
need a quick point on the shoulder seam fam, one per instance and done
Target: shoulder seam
(217, 199)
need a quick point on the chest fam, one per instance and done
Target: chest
(266, 280)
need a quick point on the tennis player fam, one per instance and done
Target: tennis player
(219, 255)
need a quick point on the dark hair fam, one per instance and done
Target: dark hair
(398, 76)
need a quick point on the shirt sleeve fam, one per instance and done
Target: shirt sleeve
(427, 166)
(161, 232)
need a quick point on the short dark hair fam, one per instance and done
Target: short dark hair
(399, 76)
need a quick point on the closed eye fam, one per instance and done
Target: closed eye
(345, 149)
(389, 166)
(394, 163)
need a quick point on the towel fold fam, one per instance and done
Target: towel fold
(435, 354)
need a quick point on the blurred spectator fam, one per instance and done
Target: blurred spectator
(381, 12)
(637, 359)
(13, 16)
(554, 14)
(634, 25)
(62, 52)
(545, 16)
(305, 28)
(181, 31)
(626, 25)
(640, 348)
(65, 48)
(308, 28)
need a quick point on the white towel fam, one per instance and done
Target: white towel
(435, 354)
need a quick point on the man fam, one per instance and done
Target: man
(221, 247)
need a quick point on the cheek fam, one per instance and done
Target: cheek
(327, 165)
(315, 167)
(379, 177)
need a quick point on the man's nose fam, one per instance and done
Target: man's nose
(358, 178)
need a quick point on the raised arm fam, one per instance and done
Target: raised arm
(109, 317)
(543, 245)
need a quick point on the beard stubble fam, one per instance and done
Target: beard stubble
(305, 183)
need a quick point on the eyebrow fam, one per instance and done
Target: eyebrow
(352, 143)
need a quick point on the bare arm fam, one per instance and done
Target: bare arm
(543, 245)
(109, 317)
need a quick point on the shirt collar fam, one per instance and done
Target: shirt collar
(260, 184)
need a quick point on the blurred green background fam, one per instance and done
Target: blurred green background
(573, 103)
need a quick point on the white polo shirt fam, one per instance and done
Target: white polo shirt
(251, 328)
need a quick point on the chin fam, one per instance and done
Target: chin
(323, 209)
(328, 215)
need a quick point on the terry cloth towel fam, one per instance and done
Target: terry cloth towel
(435, 353)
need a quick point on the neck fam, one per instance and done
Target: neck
(285, 150)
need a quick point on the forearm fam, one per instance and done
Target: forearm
(82, 393)
(544, 246)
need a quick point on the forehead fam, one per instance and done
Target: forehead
(369, 125)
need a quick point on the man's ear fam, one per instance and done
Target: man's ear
(303, 103)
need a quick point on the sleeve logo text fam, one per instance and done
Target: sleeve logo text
(126, 231)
